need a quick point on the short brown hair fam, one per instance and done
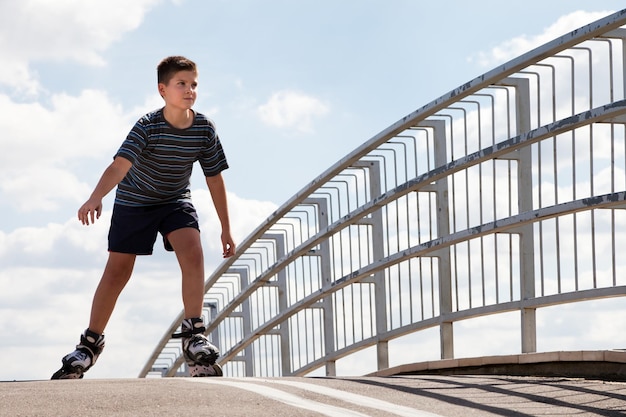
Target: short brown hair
(171, 65)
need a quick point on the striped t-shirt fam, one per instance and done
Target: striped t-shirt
(163, 157)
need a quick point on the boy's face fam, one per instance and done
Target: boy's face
(180, 92)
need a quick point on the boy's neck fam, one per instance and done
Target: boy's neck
(180, 119)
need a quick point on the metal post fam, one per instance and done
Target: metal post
(525, 203)
(326, 304)
(215, 334)
(446, 330)
(378, 252)
(246, 319)
(281, 284)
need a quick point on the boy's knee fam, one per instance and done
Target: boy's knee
(119, 267)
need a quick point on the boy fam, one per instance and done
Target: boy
(151, 170)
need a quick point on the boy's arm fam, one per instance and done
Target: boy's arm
(218, 194)
(110, 178)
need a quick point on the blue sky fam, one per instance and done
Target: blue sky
(293, 86)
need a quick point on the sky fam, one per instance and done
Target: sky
(293, 86)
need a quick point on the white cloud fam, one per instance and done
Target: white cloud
(245, 217)
(522, 44)
(42, 189)
(45, 142)
(33, 30)
(54, 239)
(291, 109)
(72, 127)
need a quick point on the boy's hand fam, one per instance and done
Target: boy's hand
(90, 211)
(228, 245)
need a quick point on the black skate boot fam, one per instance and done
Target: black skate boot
(84, 357)
(199, 353)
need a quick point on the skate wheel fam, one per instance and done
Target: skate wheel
(68, 374)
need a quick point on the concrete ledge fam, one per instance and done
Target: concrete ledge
(604, 364)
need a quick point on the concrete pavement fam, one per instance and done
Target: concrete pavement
(410, 395)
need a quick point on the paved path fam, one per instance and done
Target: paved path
(415, 396)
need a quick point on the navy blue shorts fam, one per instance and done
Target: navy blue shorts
(134, 229)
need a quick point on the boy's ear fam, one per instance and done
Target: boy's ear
(161, 88)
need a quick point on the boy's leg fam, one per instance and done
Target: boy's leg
(199, 353)
(188, 248)
(116, 274)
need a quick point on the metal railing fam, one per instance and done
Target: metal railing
(506, 194)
